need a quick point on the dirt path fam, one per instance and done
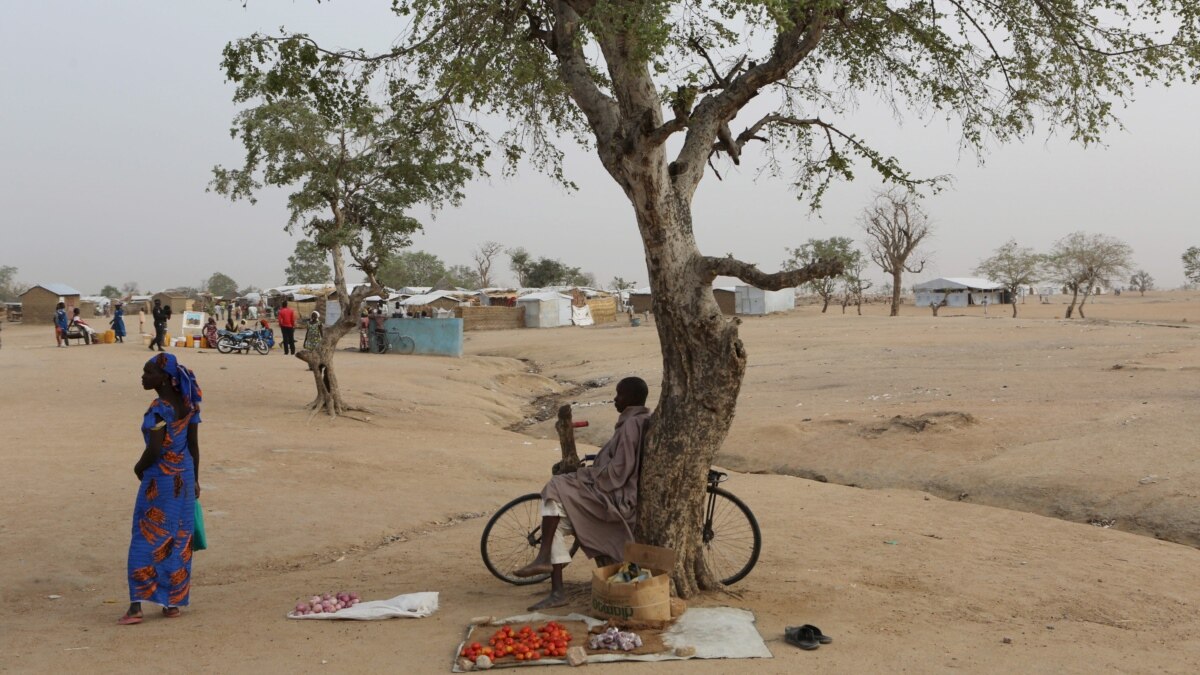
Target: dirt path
(394, 505)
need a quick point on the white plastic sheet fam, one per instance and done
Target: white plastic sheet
(582, 316)
(410, 606)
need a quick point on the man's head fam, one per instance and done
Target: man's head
(283, 304)
(62, 305)
(157, 302)
(631, 391)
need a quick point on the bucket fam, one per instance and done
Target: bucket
(635, 321)
(147, 339)
(189, 342)
(110, 336)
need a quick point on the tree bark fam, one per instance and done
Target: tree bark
(1071, 307)
(1086, 294)
(896, 290)
(320, 361)
(1014, 304)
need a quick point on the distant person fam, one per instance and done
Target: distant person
(88, 333)
(118, 322)
(210, 333)
(142, 320)
(160, 316)
(60, 325)
(315, 335)
(160, 547)
(287, 326)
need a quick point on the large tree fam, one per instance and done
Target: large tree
(221, 285)
(308, 264)
(543, 271)
(895, 225)
(1084, 262)
(484, 257)
(1191, 264)
(814, 250)
(1014, 266)
(355, 167)
(411, 268)
(656, 89)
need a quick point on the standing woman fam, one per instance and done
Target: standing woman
(118, 322)
(160, 550)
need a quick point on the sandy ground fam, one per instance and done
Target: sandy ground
(396, 503)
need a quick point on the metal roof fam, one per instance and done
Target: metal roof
(959, 283)
(57, 289)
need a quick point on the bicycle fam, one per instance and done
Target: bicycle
(390, 339)
(731, 536)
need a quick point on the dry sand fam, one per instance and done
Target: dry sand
(396, 504)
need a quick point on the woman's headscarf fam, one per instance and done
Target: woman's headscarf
(182, 379)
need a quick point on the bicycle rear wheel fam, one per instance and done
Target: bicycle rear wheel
(511, 539)
(732, 540)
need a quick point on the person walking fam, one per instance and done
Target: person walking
(118, 321)
(60, 325)
(142, 319)
(164, 513)
(287, 326)
(160, 315)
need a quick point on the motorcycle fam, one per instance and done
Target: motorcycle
(243, 341)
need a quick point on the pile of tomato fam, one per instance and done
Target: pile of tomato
(525, 644)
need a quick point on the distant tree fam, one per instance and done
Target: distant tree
(854, 284)
(485, 257)
(411, 268)
(546, 271)
(1013, 266)
(839, 249)
(355, 165)
(10, 288)
(222, 285)
(520, 261)
(247, 290)
(895, 225)
(1082, 262)
(309, 264)
(1141, 281)
(1191, 264)
(464, 276)
(129, 288)
(110, 291)
(619, 284)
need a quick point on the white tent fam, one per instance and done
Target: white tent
(546, 310)
(756, 302)
(958, 292)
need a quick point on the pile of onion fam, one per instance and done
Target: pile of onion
(327, 603)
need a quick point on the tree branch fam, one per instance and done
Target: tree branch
(599, 108)
(732, 267)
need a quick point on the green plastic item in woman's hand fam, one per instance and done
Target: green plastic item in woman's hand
(199, 539)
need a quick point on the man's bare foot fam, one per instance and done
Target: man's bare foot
(533, 569)
(555, 599)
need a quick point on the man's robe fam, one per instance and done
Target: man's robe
(601, 499)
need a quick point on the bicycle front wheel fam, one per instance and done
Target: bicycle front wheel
(511, 539)
(732, 540)
(405, 345)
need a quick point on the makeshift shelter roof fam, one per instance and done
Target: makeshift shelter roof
(425, 299)
(958, 284)
(645, 290)
(59, 289)
(543, 295)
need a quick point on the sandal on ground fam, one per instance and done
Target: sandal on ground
(129, 619)
(821, 637)
(802, 637)
(171, 612)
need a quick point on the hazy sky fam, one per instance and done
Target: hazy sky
(114, 113)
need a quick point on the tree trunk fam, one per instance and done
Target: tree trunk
(1071, 307)
(895, 290)
(1084, 300)
(825, 306)
(1014, 304)
(320, 360)
(703, 365)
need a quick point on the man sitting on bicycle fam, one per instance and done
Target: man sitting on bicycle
(597, 503)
